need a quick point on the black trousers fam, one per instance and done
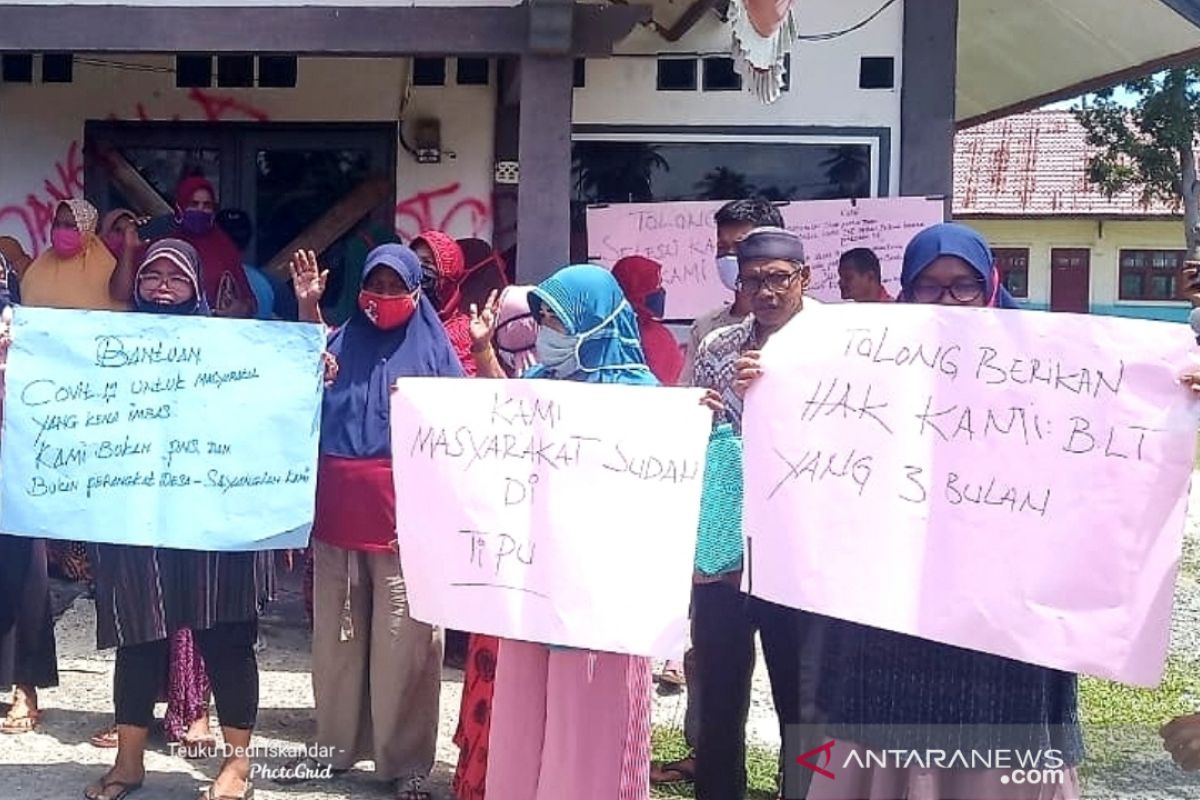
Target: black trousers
(724, 621)
(229, 658)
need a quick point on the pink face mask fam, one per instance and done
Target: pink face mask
(66, 242)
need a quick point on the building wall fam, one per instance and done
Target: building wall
(824, 89)
(42, 127)
(1105, 240)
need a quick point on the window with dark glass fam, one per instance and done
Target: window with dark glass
(677, 74)
(18, 68)
(1013, 266)
(193, 71)
(58, 67)
(1150, 274)
(277, 72)
(429, 72)
(658, 171)
(235, 72)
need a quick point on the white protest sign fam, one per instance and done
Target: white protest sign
(1009, 482)
(550, 511)
(682, 237)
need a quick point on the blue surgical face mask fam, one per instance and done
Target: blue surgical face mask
(657, 303)
(558, 352)
(727, 269)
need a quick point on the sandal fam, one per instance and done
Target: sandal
(105, 739)
(681, 771)
(106, 786)
(412, 789)
(248, 794)
(23, 724)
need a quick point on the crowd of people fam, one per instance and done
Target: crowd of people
(536, 722)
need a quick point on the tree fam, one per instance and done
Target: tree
(1150, 145)
(724, 183)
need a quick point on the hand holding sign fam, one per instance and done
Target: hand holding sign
(954, 460)
(550, 511)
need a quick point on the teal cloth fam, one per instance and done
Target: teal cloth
(719, 544)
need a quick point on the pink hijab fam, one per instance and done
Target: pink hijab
(516, 331)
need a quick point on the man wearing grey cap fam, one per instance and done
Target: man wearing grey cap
(772, 273)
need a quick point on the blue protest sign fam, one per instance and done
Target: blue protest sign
(182, 432)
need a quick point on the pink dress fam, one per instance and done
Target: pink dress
(569, 724)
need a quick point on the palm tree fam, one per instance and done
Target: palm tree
(616, 172)
(724, 183)
(848, 171)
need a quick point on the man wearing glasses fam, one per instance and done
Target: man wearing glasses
(772, 275)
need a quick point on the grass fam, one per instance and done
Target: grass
(1120, 723)
(668, 744)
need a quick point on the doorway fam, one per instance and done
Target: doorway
(319, 186)
(1070, 280)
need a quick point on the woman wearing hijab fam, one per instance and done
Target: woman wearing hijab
(226, 287)
(77, 271)
(503, 343)
(376, 670)
(641, 281)
(570, 723)
(28, 658)
(884, 690)
(443, 268)
(144, 595)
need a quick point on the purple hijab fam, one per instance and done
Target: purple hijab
(354, 418)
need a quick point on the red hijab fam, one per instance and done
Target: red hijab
(451, 269)
(640, 277)
(221, 263)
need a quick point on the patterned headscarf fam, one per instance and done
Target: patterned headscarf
(85, 214)
(184, 256)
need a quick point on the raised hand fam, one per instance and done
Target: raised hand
(308, 280)
(483, 322)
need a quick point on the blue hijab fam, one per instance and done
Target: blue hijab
(354, 416)
(589, 303)
(953, 239)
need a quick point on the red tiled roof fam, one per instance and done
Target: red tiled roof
(1035, 165)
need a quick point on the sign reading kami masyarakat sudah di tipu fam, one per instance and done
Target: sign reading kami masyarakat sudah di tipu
(142, 429)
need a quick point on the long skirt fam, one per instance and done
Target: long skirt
(187, 686)
(27, 651)
(569, 723)
(475, 718)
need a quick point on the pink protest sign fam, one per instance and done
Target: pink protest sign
(682, 236)
(550, 511)
(1005, 481)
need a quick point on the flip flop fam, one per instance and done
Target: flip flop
(19, 725)
(105, 739)
(126, 789)
(248, 794)
(673, 772)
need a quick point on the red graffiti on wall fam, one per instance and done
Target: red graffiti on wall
(442, 210)
(217, 108)
(212, 107)
(37, 212)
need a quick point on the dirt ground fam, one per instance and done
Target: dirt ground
(57, 761)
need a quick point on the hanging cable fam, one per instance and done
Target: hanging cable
(825, 37)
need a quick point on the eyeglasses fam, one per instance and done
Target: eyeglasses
(775, 282)
(961, 290)
(155, 279)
